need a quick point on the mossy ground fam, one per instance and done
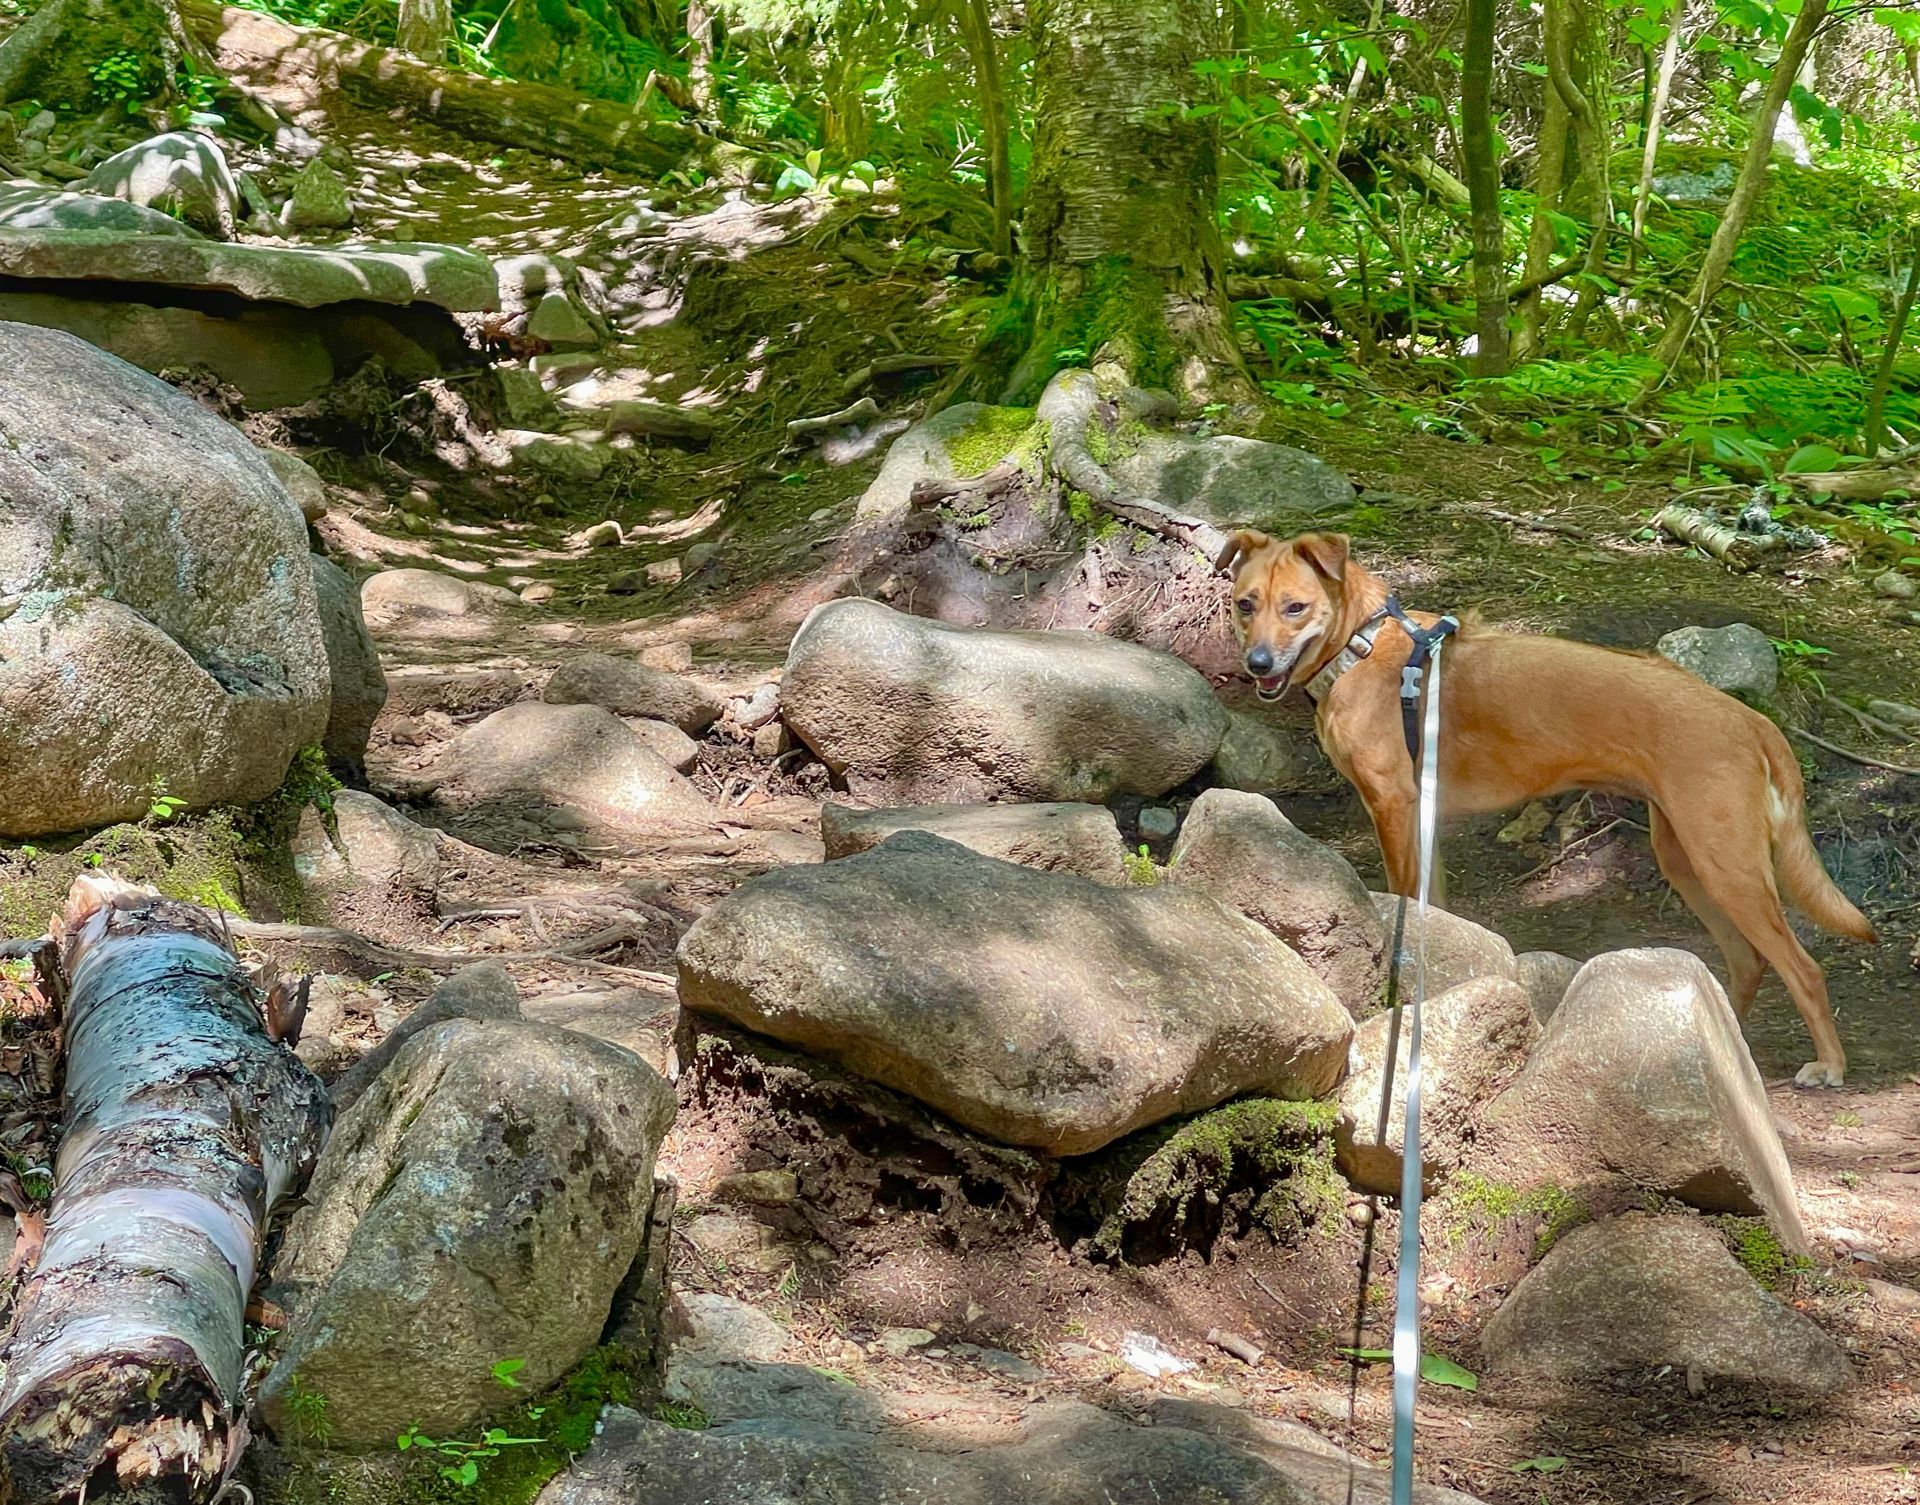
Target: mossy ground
(1473, 1204)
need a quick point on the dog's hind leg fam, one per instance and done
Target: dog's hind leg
(1737, 877)
(1745, 966)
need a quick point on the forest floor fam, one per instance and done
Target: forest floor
(760, 311)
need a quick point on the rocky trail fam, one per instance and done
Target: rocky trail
(715, 806)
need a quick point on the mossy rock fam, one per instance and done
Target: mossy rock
(967, 439)
(1253, 1163)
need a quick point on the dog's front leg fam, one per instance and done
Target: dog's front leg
(1388, 793)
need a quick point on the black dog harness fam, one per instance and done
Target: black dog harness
(1412, 677)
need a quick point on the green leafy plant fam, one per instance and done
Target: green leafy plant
(461, 1459)
(308, 1408)
(1435, 1369)
(1141, 869)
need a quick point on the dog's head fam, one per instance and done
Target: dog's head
(1286, 598)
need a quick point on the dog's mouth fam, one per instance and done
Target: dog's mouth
(1271, 686)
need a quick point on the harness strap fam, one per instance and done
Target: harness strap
(1426, 641)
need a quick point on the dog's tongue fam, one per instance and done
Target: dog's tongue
(1272, 686)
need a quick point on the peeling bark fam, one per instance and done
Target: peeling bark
(1123, 257)
(183, 1125)
(1483, 184)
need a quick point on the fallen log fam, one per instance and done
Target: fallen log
(183, 1126)
(554, 122)
(1734, 549)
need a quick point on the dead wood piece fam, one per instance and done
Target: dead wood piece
(1736, 550)
(977, 489)
(1846, 752)
(1245, 1351)
(1520, 520)
(658, 420)
(184, 1126)
(893, 365)
(551, 121)
(863, 411)
(328, 938)
(1866, 483)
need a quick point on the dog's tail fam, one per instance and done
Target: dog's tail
(1802, 876)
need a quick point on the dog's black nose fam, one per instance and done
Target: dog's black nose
(1259, 661)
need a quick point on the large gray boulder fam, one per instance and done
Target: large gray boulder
(965, 439)
(371, 847)
(1643, 1082)
(482, 1201)
(1232, 482)
(1039, 1009)
(158, 626)
(397, 272)
(1474, 1040)
(826, 1447)
(181, 173)
(628, 687)
(27, 206)
(1239, 848)
(1457, 950)
(1056, 838)
(483, 990)
(911, 711)
(390, 596)
(1546, 975)
(1737, 658)
(575, 757)
(358, 685)
(1635, 1293)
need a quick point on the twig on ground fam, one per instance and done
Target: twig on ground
(1848, 753)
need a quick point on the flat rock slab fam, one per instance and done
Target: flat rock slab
(1056, 1453)
(914, 711)
(628, 687)
(1637, 1292)
(25, 206)
(1241, 849)
(397, 272)
(1038, 1009)
(1643, 1082)
(1055, 838)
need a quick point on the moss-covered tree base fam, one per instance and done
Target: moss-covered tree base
(79, 56)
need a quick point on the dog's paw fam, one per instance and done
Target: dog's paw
(1820, 1074)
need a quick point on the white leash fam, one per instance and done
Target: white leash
(1406, 1314)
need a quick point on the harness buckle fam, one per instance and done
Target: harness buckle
(1410, 677)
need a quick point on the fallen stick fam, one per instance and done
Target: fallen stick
(1847, 752)
(184, 1126)
(1731, 547)
(1520, 520)
(893, 365)
(352, 943)
(1244, 1350)
(981, 488)
(863, 411)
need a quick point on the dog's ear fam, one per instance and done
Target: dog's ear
(1326, 552)
(1240, 542)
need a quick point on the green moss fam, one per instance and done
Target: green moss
(1760, 1251)
(1111, 304)
(1278, 1154)
(996, 434)
(1470, 1199)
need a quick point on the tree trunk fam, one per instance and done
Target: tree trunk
(1123, 257)
(701, 26)
(53, 55)
(976, 19)
(1747, 189)
(1883, 373)
(1549, 181)
(1656, 117)
(1580, 75)
(426, 29)
(184, 1124)
(1483, 184)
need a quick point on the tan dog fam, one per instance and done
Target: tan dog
(1524, 717)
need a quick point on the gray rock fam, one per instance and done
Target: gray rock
(578, 757)
(967, 438)
(560, 325)
(567, 458)
(393, 594)
(673, 746)
(1260, 758)
(826, 1446)
(1895, 586)
(998, 1361)
(898, 1342)
(398, 272)
(756, 710)
(1056, 838)
(181, 173)
(1244, 852)
(302, 481)
(1635, 1293)
(631, 1018)
(1039, 1009)
(358, 683)
(1546, 976)
(674, 658)
(370, 846)
(1233, 482)
(724, 1326)
(27, 206)
(629, 688)
(481, 991)
(1642, 1082)
(319, 200)
(524, 402)
(1737, 658)
(482, 1201)
(1157, 823)
(911, 710)
(765, 1188)
(1711, 188)
(1475, 1039)
(1457, 950)
(155, 581)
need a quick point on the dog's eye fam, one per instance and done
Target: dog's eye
(1296, 608)
(1245, 603)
